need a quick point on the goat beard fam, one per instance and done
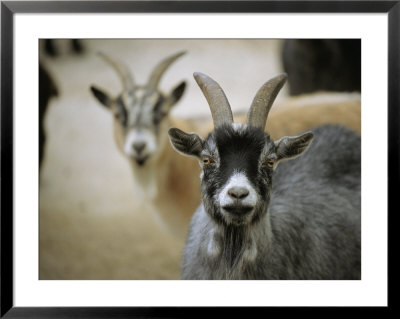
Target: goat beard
(234, 239)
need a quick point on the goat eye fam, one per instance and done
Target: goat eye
(119, 116)
(206, 160)
(270, 163)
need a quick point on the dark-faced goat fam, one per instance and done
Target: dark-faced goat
(261, 216)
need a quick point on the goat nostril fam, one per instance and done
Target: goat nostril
(238, 192)
(139, 146)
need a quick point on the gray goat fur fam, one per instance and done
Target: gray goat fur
(309, 224)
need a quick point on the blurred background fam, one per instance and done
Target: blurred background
(92, 226)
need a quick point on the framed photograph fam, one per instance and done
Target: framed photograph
(94, 216)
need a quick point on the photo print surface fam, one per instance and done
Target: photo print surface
(117, 196)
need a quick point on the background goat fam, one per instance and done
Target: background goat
(140, 130)
(258, 220)
(300, 113)
(322, 65)
(47, 90)
(50, 47)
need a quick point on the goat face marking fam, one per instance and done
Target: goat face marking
(141, 123)
(237, 197)
(238, 189)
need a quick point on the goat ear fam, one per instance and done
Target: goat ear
(186, 143)
(293, 146)
(100, 95)
(176, 93)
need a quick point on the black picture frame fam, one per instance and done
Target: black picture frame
(9, 8)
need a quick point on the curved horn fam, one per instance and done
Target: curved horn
(123, 72)
(220, 109)
(159, 70)
(259, 109)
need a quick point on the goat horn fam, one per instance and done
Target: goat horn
(159, 70)
(259, 109)
(220, 109)
(123, 72)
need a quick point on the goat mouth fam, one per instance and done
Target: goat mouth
(141, 160)
(237, 210)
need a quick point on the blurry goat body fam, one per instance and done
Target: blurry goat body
(50, 47)
(285, 209)
(47, 90)
(307, 111)
(322, 65)
(141, 121)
